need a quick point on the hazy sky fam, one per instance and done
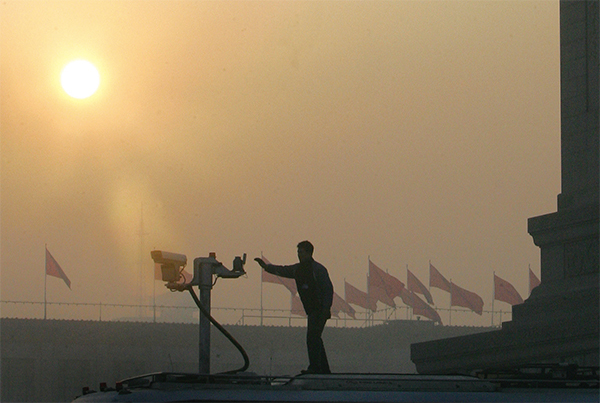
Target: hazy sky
(407, 131)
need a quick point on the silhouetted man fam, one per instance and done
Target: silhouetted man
(316, 293)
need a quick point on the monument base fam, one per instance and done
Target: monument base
(558, 323)
(575, 341)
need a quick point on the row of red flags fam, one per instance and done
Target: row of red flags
(384, 287)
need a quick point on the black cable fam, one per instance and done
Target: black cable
(224, 331)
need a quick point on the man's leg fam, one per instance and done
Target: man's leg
(316, 351)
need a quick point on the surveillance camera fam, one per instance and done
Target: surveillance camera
(175, 259)
(170, 264)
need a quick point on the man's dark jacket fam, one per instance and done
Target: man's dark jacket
(313, 283)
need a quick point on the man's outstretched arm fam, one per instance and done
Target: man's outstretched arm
(282, 271)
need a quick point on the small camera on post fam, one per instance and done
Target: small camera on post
(171, 264)
(205, 269)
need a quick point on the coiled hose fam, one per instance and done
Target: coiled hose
(224, 331)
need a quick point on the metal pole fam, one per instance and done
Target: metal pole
(493, 298)
(450, 310)
(45, 276)
(204, 328)
(370, 315)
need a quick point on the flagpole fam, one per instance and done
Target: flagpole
(261, 293)
(410, 308)
(450, 310)
(429, 285)
(346, 313)
(261, 301)
(493, 297)
(45, 276)
(141, 266)
(370, 314)
(291, 308)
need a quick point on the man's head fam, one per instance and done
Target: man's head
(305, 251)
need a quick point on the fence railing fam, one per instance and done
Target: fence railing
(241, 316)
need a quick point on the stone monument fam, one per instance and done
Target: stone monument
(559, 322)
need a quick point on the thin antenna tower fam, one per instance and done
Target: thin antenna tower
(141, 234)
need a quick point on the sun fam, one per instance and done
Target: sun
(80, 79)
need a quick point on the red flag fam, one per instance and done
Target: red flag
(414, 285)
(419, 306)
(267, 277)
(358, 297)
(382, 286)
(406, 296)
(461, 297)
(437, 280)
(533, 281)
(422, 309)
(54, 269)
(504, 291)
(297, 307)
(339, 305)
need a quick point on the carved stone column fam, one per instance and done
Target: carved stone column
(568, 239)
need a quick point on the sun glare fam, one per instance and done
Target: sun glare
(80, 79)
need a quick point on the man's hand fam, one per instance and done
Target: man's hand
(261, 262)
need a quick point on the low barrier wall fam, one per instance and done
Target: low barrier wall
(51, 360)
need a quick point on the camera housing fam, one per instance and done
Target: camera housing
(171, 264)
